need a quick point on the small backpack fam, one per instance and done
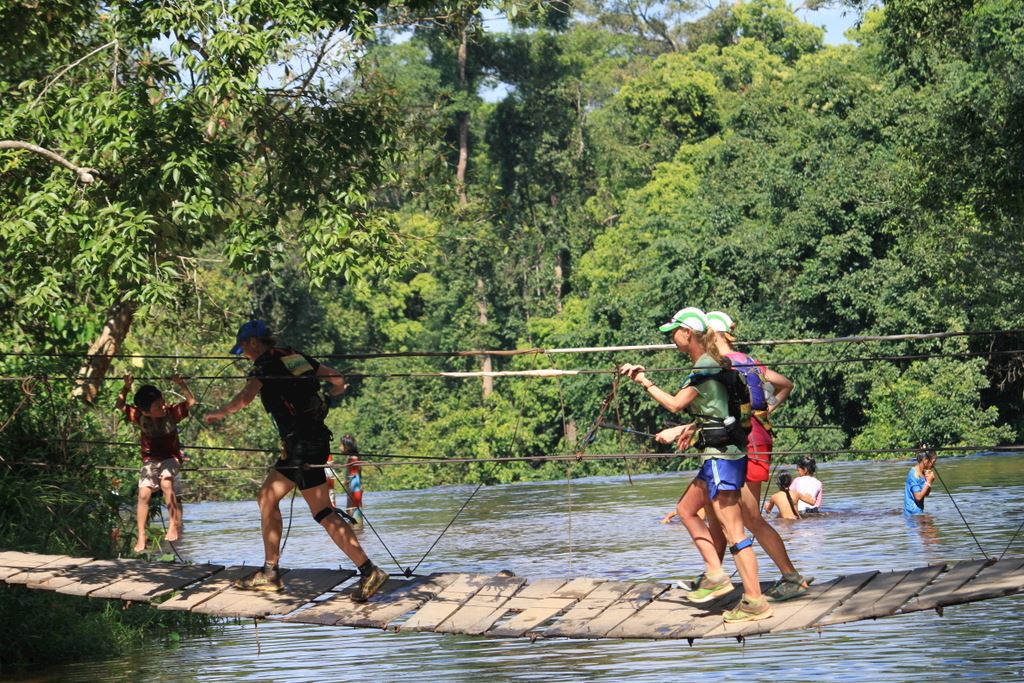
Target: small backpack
(718, 432)
(752, 372)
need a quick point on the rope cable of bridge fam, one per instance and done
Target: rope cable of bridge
(405, 571)
(550, 373)
(959, 512)
(512, 445)
(1012, 539)
(925, 336)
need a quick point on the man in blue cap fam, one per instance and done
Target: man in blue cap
(288, 384)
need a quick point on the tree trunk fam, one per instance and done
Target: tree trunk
(570, 433)
(481, 307)
(562, 265)
(102, 351)
(463, 120)
(460, 186)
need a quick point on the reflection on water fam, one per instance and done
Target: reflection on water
(614, 531)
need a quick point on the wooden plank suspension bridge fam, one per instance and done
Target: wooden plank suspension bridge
(510, 606)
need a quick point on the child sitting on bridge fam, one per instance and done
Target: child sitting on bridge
(161, 450)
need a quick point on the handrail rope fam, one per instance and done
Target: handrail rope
(548, 373)
(924, 336)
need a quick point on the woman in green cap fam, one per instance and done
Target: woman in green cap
(723, 464)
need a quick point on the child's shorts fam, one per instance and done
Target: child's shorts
(154, 470)
(723, 475)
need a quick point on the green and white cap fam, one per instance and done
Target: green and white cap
(720, 322)
(690, 317)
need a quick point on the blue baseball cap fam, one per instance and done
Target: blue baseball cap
(253, 328)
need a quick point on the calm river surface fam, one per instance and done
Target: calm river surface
(615, 533)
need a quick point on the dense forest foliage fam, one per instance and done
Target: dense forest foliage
(403, 178)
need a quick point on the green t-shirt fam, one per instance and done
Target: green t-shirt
(712, 399)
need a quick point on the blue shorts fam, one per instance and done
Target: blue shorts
(723, 475)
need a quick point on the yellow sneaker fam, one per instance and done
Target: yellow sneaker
(710, 588)
(750, 610)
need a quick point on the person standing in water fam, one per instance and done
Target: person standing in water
(353, 479)
(763, 401)
(723, 463)
(783, 499)
(806, 488)
(288, 384)
(919, 481)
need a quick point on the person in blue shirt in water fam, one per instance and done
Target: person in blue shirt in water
(919, 481)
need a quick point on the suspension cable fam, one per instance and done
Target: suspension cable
(549, 373)
(512, 445)
(1014, 538)
(926, 336)
(966, 524)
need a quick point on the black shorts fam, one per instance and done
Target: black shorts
(300, 456)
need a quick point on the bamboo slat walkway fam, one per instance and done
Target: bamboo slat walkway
(509, 606)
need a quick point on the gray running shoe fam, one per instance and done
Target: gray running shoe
(261, 581)
(787, 590)
(370, 584)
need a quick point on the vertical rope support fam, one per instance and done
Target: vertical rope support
(568, 495)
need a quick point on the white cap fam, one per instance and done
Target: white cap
(690, 317)
(720, 321)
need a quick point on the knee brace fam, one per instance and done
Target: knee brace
(323, 514)
(742, 545)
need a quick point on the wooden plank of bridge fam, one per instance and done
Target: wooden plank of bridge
(479, 613)
(196, 595)
(599, 599)
(578, 588)
(300, 586)
(86, 578)
(13, 562)
(18, 558)
(445, 602)
(408, 599)
(47, 570)
(632, 601)
(395, 599)
(944, 585)
(429, 616)
(146, 583)
(662, 617)
(1005, 577)
(790, 615)
(883, 595)
(537, 603)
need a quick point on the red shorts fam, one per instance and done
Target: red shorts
(759, 452)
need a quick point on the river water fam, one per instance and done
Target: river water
(606, 527)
